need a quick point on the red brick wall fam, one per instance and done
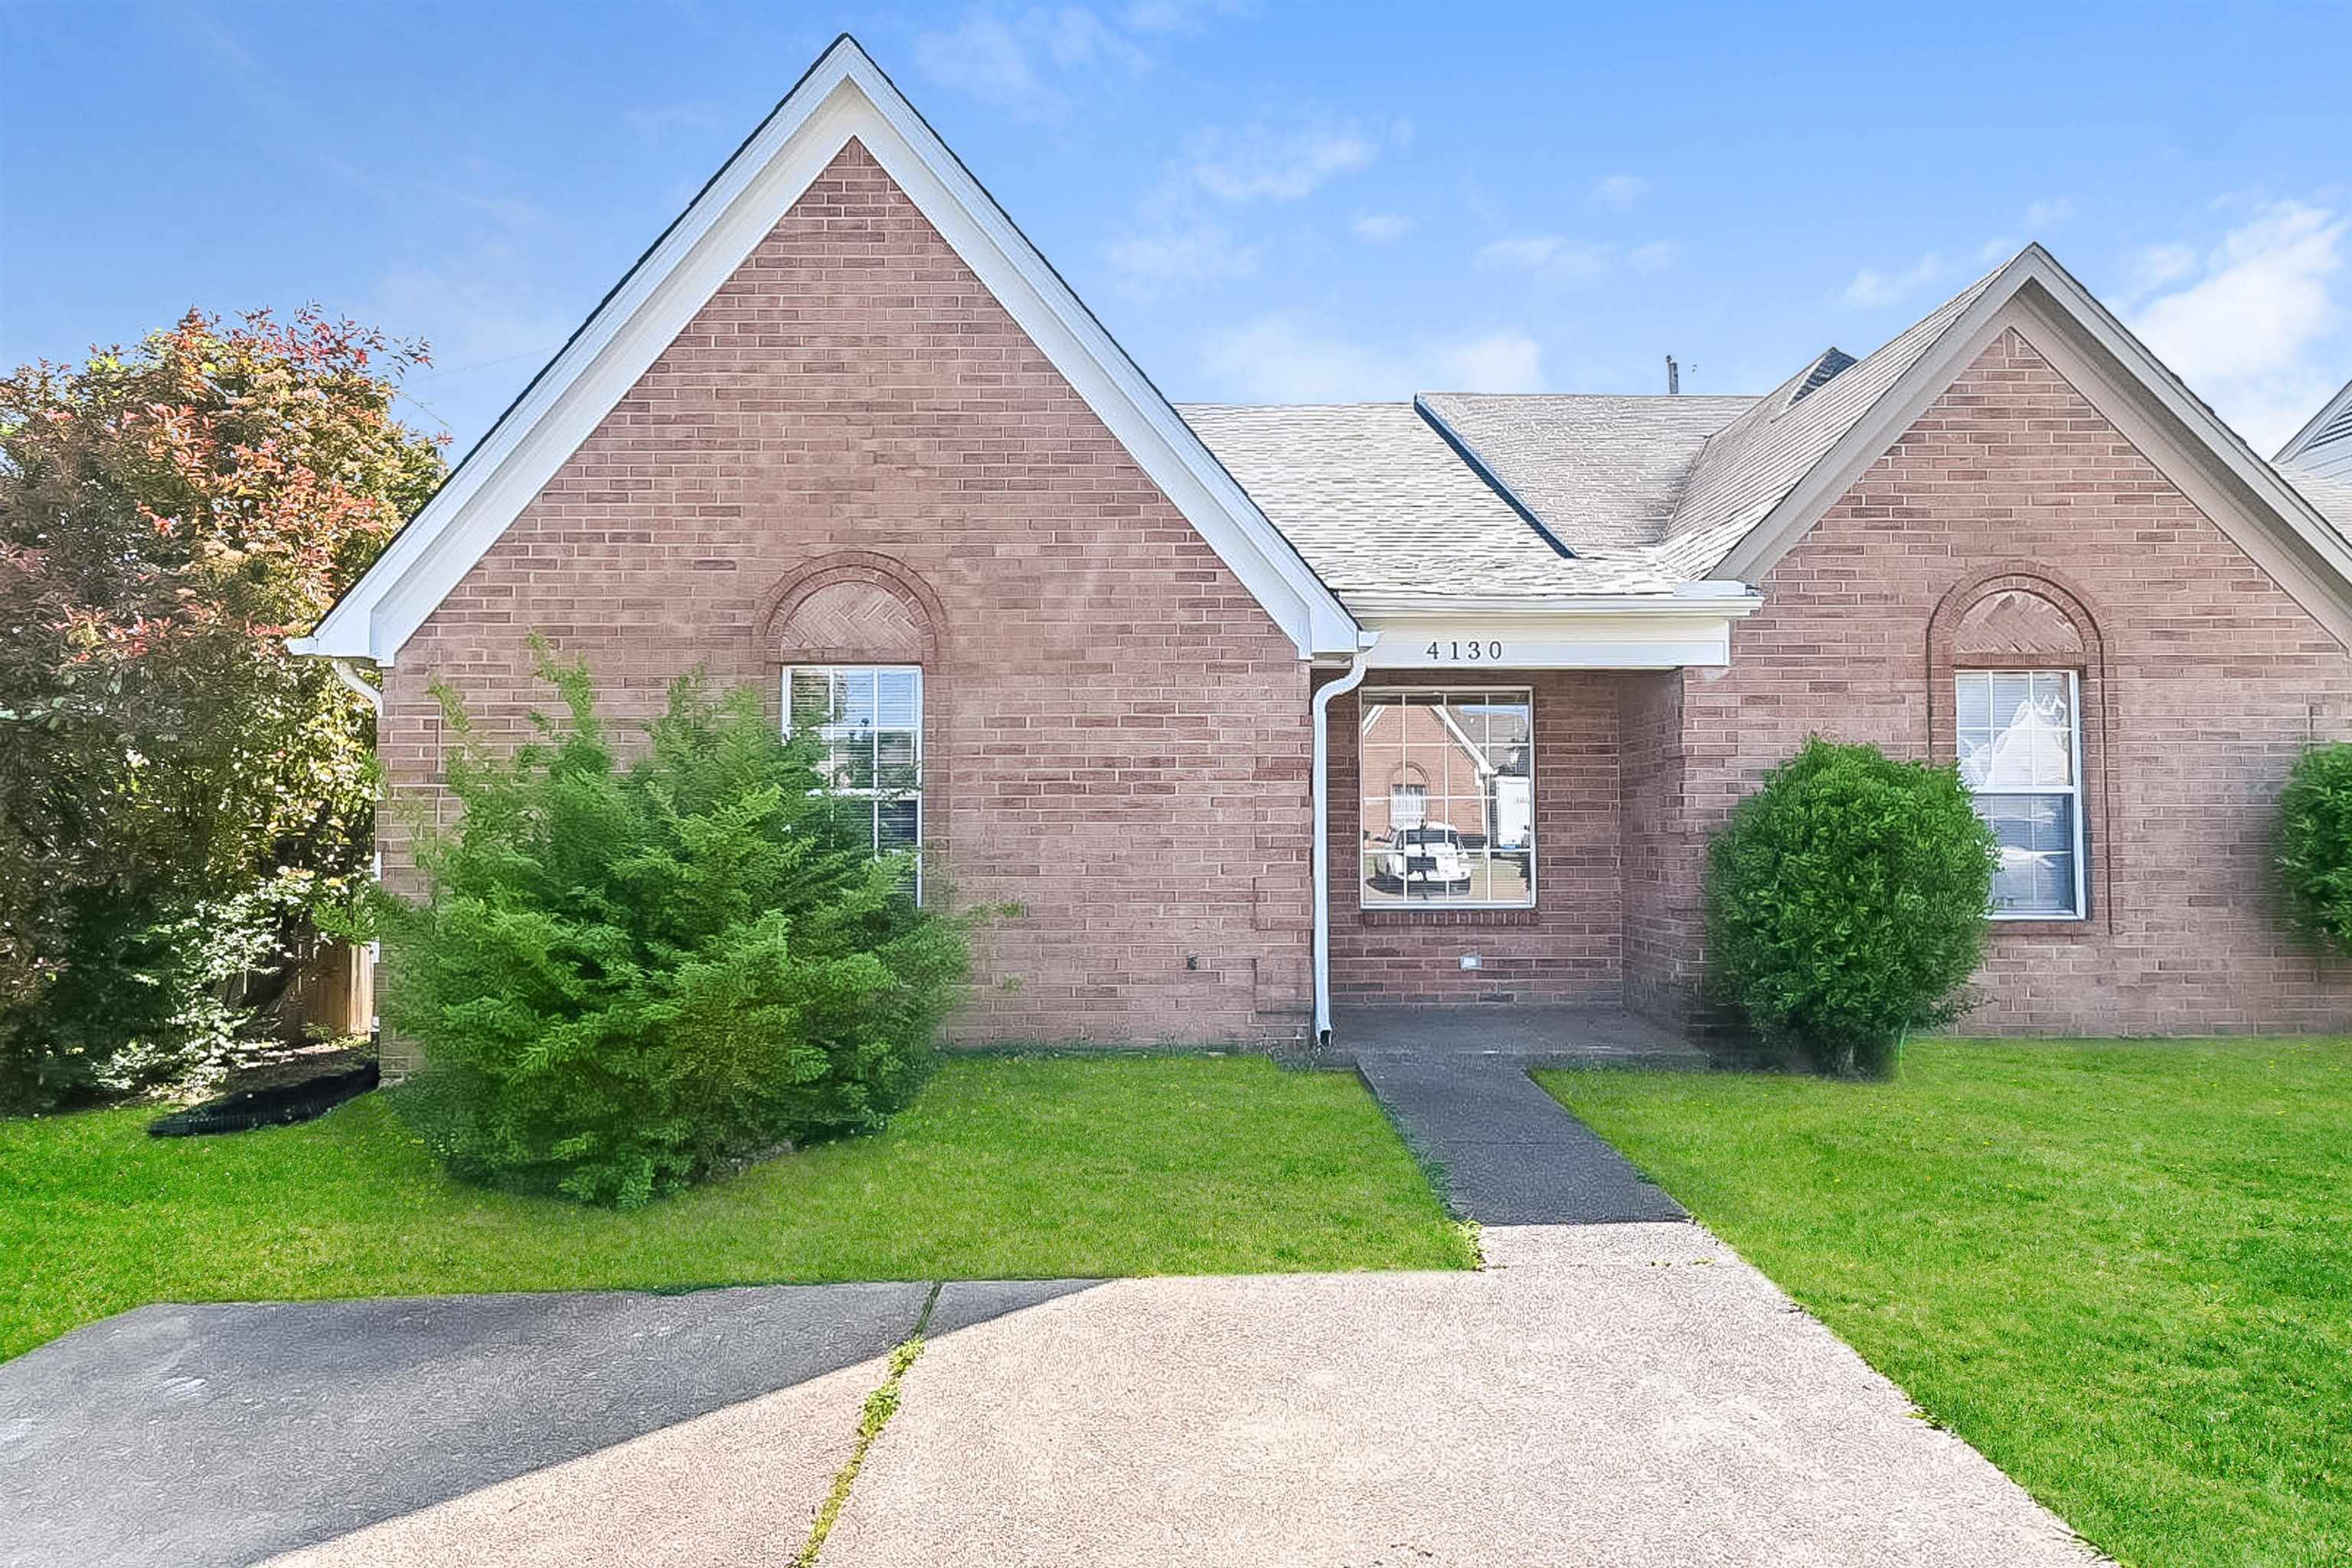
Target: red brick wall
(1569, 947)
(2215, 679)
(1661, 961)
(1118, 735)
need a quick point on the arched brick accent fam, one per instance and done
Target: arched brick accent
(2020, 615)
(852, 607)
(821, 601)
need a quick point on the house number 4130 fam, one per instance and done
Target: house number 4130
(1464, 652)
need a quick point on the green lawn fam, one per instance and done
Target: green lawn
(2123, 1270)
(1004, 1167)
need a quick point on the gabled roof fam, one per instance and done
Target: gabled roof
(1879, 398)
(1512, 497)
(842, 96)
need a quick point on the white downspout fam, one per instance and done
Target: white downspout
(351, 677)
(1319, 855)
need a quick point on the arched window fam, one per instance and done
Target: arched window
(2019, 689)
(855, 636)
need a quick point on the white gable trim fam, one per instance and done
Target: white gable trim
(2242, 494)
(844, 96)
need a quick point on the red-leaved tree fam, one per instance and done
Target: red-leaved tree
(175, 786)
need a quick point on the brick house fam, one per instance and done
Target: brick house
(1259, 709)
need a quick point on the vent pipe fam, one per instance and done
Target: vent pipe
(1673, 376)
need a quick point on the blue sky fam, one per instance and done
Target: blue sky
(1263, 201)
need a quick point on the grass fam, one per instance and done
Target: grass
(2123, 1270)
(1004, 1167)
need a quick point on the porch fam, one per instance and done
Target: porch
(1524, 1035)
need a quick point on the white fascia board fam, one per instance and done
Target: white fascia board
(2242, 495)
(844, 96)
(1712, 598)
(1658, 633)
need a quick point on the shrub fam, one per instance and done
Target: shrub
(147, 1001)
(622, 978)
(2315, 847)
(168, 513)
(1846, 904)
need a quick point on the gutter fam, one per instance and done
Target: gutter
(1319, 853)
(1712, 598)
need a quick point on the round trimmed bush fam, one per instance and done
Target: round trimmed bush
(2315, 847)
(1846, 902)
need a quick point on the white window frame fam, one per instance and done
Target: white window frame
(2074, 791)
(877, 795)
(1524, 695)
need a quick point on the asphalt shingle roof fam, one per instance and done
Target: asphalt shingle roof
(1378, 504)
(2329, 494)
(1468, 495)
(1604, 473)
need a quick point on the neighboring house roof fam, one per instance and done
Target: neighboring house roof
(2324, 446)
(844, 96)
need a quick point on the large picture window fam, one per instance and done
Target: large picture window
(870, 718)
(1448, 799)
(2019, 746)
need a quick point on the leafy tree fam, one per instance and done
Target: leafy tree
(168, 515)
(1845, 903)
(623, 977)
(2315, 847)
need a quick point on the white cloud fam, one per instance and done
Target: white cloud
(1007, 61)
(1182, 235)
(1655, 257)
(1619, 191)
(1554, 256)
(983, 57)
(2048, 213)
(1873, 289)
(2247, 325)
(1260, 161)
(1380, 229)
(1173, 255)
(2157, 264)
(1280, 359)
(1557, 259)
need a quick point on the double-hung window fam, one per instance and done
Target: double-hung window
(870, 719)
(2020, 754)
(1448, 799)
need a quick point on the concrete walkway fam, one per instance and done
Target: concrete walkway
(1633, 1395)
(1454, 1080)
(1630, 1395)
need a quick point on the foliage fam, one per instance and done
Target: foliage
(2117, 1267)
(1845, 903)
(150, 1003)
(167, 515)
(2315, 847)
(623, 977)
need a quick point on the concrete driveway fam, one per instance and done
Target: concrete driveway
(1626, 1394)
